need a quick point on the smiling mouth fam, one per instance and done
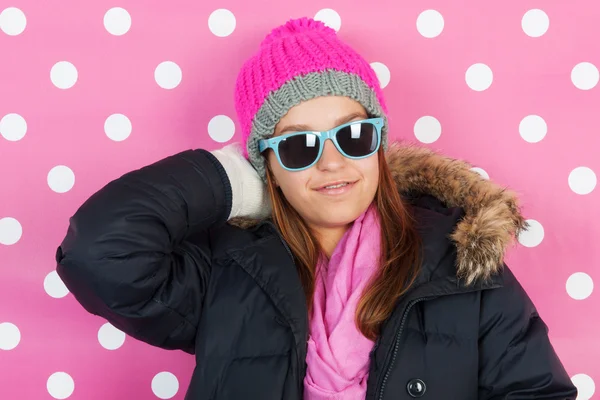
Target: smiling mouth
(336, 188)
(335, 185)
(339, 185)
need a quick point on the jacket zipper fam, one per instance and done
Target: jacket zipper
(399, 334)
(397, 344)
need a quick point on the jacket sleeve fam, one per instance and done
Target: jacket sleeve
(516, 358)
(137, 251)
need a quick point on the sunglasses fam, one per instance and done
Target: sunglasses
(301, 150)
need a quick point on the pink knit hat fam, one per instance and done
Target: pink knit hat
(298, 61)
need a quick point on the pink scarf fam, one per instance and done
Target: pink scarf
(338, 353)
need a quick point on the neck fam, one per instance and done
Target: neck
(330, 237)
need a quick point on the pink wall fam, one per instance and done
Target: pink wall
(89, 92)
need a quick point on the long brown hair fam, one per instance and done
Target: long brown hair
(399, 261)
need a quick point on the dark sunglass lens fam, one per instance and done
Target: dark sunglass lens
(299, 151)
(358, 140)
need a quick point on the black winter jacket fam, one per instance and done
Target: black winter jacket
(152, 253)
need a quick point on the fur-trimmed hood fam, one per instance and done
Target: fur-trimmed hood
(492, 218)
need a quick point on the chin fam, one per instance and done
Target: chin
(338, 217)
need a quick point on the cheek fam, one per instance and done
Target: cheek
(370, 172)
(374, 173)
(369, 169)
(293, 186)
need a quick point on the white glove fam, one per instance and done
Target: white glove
(249, 193)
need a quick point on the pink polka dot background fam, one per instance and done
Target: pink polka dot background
(93, 89)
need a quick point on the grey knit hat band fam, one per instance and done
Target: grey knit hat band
(302, 88)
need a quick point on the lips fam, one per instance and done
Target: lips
(336, 189)
(335, 185)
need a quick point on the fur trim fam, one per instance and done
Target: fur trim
(492, 217)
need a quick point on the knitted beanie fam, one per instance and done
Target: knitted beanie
(299, 61)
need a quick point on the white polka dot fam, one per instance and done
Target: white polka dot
(221, 22)
(330, 18)
(585, 386)
(60, 385)
(10, 231)
(10, 336)
(54, 286)
(481, 172)
(12, 21)
(165, 385)
(117, 127)
(535, 23)
(580, 286)
(582, 180)
(585, 76)
(533, 128)
(117, 21)
(430, 23)
(479, 77)
(382, 72)
(61, 179)
(168, 75)
(221, 128)
(13, 127)
(63, 75)
(533, 236)
(110, 337)
(427, 129)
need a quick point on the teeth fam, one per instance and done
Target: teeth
(336, 186)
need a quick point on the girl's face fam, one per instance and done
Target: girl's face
(305, 190)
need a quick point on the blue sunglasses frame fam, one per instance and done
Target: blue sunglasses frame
(273, 143)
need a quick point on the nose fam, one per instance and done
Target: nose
(331, 159)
